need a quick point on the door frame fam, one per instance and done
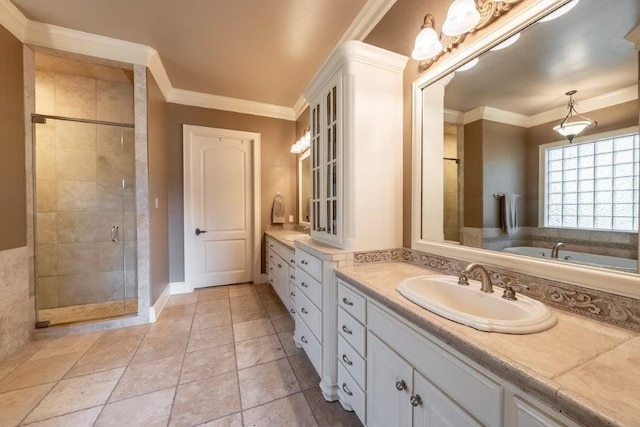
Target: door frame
(254, 139)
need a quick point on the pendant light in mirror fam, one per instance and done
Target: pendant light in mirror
(573, 123)
(560, 11)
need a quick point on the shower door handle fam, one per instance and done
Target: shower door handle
(115, 233)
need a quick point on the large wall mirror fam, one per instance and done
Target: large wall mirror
(491, 172)
(304, 188)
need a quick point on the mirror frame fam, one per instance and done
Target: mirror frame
(302, 157)
(611, 281)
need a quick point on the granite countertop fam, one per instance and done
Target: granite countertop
(311, 246)
(587, 369)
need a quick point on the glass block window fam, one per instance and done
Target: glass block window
(593, 184)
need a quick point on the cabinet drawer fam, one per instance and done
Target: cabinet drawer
(292, 292)
(475, 392)
(310, 287)
(283, 252)
(352, 302)
(352, 331)
(350, 394)
(310, 264)
(310, 314)
(351, 361)
(310, 344)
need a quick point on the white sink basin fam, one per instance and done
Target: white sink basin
(294, 237)
(484, 311)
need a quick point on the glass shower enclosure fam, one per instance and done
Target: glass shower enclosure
(85, 220)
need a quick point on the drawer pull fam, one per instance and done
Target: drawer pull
(346, 301)
(416, 400)
(346, 360)
(271, 256)
(304, 285)
(279, 265)
(346, 390)
(292, 261)
(292, 277)
(303, 262)
(401, 385)
(304, 310)
(346, 330)
(293, 294)
(292, 311)
(304, 340)
(270, 245)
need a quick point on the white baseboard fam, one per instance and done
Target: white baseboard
(179, 288)
(156, 309)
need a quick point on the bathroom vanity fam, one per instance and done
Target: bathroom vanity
(400, 364)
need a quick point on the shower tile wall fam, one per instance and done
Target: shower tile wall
(79, 172)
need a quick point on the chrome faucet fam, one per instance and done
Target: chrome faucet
(556, 249)
(485, 279)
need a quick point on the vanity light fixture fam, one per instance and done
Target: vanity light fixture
(560, 11)
(574, 122)
(462, 17)
(428, 43)
(302, 144)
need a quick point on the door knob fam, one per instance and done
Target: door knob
(199, 232)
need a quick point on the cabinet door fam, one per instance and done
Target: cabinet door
(388, 386)
(282, 280)
(326, 164)
(431, 408)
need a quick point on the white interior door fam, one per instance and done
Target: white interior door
(219, 206)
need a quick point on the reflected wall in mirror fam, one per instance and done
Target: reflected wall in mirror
(515, 188)
(304, 190)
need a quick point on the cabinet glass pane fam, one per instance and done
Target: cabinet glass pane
(334, 222)
(334, 108)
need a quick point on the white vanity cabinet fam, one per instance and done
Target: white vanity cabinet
(355, 103)
(281, 270)
(413, 379)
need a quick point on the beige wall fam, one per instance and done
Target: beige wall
(158, 216)
(13, 214)
(277, 163)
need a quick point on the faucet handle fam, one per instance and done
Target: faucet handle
(463, 280)
(509, 293)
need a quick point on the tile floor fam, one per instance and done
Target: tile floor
(217, 357)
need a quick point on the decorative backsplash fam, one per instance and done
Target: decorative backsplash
(605, 307)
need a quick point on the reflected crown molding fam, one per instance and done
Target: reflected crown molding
(605, 100)
(634, 37)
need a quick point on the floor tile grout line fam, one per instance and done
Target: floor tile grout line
(235, 356)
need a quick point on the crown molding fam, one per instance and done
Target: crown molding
(199, 99)
(59, 38)
(372, 13)
(64, 39)
(609, 99)
(12, 19)
(634, 37)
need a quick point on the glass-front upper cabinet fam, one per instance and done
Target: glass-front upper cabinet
(356, 148)
(326, 155)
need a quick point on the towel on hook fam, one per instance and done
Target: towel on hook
(509, 213)
(277, 212)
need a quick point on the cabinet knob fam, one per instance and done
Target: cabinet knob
(292, 261)
(346, 360)
(416, 400)
(346, 390)
(292, 277)
(293, 294)
(292, 311)
(303, 262)
(401, 385)
(304, 285)
(304, 310)
(346, 301)
(304, 340)
(322, 229)
(279, 265)
(346, 330)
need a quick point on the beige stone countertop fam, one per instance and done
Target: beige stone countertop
(309, 245)
(587, 369)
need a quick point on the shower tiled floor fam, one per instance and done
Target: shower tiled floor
(217, 357)
(80, 313)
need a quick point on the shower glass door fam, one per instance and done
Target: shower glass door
(84, 220)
